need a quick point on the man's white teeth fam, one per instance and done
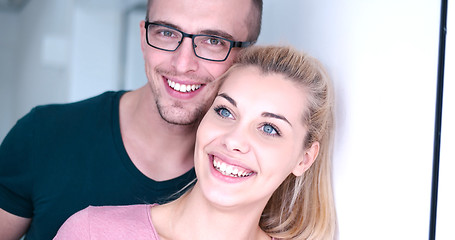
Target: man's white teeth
(229, 170)
(182, 87)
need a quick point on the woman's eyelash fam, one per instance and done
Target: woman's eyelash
(267, 126)
(222, 111)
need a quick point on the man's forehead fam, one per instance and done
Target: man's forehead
(214, 17)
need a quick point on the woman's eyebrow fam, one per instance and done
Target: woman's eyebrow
(229, 99)
(277, 116)
(264, 114)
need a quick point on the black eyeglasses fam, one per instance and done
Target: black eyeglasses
(208, 47)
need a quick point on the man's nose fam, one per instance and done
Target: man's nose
(183, 59)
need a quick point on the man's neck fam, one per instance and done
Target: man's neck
(160, 150)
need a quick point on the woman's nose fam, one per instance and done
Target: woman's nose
(236, 140)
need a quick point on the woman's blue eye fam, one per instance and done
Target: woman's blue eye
(223, 112)
(269, 129)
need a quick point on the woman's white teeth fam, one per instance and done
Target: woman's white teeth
(229, 170)
(182, 87)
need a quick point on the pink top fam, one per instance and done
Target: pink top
(110, 222)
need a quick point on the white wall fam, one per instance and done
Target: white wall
(134, 74)
(98, 47)
(95, 50)
(32, 69)
(382, 56)
(55, 51)
(41, 74)
(9, 32)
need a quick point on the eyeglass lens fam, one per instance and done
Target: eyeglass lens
(205, 46)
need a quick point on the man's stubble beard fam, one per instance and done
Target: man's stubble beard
(178, 115)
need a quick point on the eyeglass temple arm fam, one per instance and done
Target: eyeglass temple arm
(242, 44)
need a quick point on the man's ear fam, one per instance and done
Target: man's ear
(308, 158)
(143, 32)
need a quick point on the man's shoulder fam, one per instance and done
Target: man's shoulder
(92, 103)
(63, 118)
(81, 112)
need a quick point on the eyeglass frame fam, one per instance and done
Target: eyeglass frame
(238, 44)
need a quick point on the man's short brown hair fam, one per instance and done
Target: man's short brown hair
(254, 19)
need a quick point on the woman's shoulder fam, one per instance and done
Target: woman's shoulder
(114, 211)
(119, 215)
(109, 222)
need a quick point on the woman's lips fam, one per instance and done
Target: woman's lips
(229, 170)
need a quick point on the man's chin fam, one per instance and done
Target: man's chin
(181, 122)
(180, 114)
(181, 118)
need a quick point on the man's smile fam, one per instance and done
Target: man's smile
(182, 87)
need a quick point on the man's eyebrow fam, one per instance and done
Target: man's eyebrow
(217, 33)
(229, 99)
(167, 24)
(277, 116)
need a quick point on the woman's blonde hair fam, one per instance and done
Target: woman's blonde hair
(302, 207)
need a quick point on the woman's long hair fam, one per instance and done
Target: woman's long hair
(302, 207)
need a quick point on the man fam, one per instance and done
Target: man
(125, 148)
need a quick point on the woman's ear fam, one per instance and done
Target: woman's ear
(308, 158)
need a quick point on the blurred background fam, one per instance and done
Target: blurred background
(381, 54)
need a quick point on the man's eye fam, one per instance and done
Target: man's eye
(214, 41)
(166, 33)
(211, 41)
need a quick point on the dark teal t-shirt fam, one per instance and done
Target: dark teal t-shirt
(60, 158)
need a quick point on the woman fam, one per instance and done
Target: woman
(262, 159)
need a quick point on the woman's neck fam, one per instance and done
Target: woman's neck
(192, 217)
